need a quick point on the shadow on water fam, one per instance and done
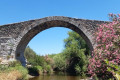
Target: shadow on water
(57, 76)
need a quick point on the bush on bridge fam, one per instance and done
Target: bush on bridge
(108, 47)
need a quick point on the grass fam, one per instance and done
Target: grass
(12, 75)
(13, 71)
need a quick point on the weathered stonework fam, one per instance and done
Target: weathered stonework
(15, 37)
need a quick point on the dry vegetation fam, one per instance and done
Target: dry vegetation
(12, 75)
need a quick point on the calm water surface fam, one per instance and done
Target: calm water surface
(57, 76)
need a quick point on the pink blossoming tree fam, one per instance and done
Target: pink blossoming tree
(108, 47)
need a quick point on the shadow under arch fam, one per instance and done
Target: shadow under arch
(19, 53)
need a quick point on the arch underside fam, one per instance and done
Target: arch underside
(40, 27)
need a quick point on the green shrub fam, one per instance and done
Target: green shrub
(40, 69)
(3, 68)
(48, 69)
(77, 69)
(23, 71)
(15, 66)
(114, 68)
(32, 58)
(10, 66)
(35, 70)
(14, 63)
(60, 62)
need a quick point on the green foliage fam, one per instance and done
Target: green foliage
(73, 58)
(51, 55)
(23, 71)
(75, 51)
(35, 70)
(9, 66)
(32, 58)
(83, 62)
(39, 63)
(60, 61)
(76, 58)
(39, 69)
(15, 65)
(48, 69)
(114, 68)
(3, 68)
(75, 40)
(29, 53)
(39, 60)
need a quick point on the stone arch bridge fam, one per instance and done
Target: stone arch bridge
(15, 37)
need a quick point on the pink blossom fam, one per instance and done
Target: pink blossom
(108, 47)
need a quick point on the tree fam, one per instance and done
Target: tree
(75, 49)
(108, 47)
(75, 39)
(29, 53)
(60, 62)
(33, 58)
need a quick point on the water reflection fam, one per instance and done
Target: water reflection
(56, 76)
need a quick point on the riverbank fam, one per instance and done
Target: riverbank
(15, 74)
(30, 76)
(12, 75)
(13, 71)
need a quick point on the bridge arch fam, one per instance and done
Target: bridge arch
(15, 37)
(32, 31)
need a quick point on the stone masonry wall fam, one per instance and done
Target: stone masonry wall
(15, 37)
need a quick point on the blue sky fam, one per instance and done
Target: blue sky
(49, 41)
(12, 11)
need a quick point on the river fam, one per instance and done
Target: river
(57, 76)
